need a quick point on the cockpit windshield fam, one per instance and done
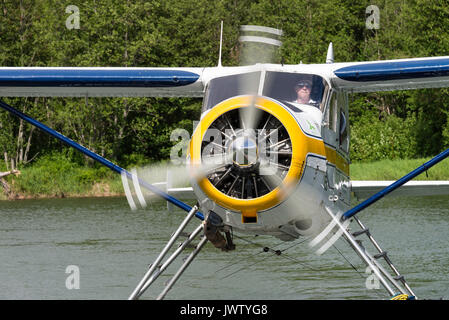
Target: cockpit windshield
(296, 88)
(289, 88)
(223, 88)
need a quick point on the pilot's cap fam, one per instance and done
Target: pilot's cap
(303, 83)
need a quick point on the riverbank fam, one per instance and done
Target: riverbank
(395, 169)
(104, 188)
(59, 178)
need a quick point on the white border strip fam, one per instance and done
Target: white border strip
(261, 29)
(260, 39)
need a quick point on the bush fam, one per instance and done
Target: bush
(56, 175)
(392, 138)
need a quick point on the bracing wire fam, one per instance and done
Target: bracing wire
(352, 265)
(266, 249)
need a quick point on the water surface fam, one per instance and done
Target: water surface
(112, 247)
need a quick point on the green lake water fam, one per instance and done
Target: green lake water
(112, 246)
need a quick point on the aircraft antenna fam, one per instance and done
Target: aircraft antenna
(330, 54)
(221, 43)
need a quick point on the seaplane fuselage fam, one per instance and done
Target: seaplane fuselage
(271, 149)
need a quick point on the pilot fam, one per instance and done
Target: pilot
(303, 89)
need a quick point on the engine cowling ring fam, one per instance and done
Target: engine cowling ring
(250, 207)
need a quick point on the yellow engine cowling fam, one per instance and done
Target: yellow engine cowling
(295, 148)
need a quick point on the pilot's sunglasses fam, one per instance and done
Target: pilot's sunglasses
(301, 85)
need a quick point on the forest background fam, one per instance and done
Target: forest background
(185, 33)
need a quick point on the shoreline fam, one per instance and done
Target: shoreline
(19, 197)
(82, 182)
(22, 196)
(102, 189)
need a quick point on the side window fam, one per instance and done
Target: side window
(331, 113)
(323, 101)
(343, 123)
(205, 99)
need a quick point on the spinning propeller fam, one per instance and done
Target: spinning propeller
(245, 152)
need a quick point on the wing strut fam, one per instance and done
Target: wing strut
(100, 159)
(409, 176)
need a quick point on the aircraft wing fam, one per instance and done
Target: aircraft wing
(100, 82)
(365, 189)
(400, 74)
(360, 189)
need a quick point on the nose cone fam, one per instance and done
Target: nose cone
(244, 151)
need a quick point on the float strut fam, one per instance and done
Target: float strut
(175, 254)
(183, 267)
(135, 293)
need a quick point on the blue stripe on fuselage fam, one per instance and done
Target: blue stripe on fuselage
(397, 70)
(95, 78)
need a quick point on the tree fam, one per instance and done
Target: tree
(186, 33)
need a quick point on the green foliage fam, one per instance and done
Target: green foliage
(445, 132)
(180, 33)
(388, 169)
(56, 175)
(392, 138)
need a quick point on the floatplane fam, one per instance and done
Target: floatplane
(270, 154)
